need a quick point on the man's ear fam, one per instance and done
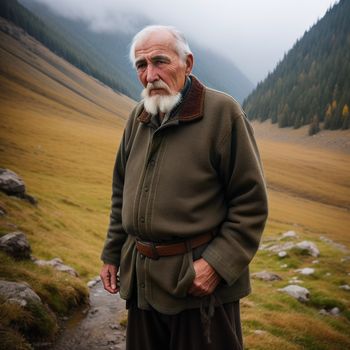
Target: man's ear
(189, 63)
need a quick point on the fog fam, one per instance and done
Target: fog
(254, 34)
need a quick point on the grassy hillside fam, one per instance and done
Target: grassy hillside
(60, 130)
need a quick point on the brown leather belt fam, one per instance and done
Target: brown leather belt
(155, 251)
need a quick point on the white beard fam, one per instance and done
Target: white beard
(159, 103)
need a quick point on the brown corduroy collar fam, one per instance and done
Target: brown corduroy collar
(190, 109)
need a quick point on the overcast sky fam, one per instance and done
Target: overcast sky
(255, 34)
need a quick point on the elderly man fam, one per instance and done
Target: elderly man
(189, 205)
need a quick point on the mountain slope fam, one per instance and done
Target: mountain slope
(311, 83)
(110, 50)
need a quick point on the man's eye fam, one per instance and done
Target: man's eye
(140, 65)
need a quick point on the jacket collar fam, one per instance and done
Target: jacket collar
(191, 108)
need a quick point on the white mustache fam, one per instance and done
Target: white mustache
(159, 84)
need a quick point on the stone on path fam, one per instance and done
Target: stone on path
(94, 281)
(16, 245)
(297, 292)
(345, 287)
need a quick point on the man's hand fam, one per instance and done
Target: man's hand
(206, 279)
(109, 278)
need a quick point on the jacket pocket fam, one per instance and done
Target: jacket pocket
(127, 267)
(171, 275)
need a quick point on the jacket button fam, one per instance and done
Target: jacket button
(142, 219)
(142, 285)
(152, 162)
(142, 256)
(146, 189)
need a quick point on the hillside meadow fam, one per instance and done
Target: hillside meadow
(60, 129)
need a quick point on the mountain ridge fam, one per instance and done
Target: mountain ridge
(310, 85)
(112, 50)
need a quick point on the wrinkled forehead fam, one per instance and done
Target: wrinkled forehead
(160, 41)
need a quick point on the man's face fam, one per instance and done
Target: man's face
(157, 60)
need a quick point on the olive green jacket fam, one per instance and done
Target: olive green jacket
(200, 171)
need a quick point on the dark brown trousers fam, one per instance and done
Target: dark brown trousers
(151, 330)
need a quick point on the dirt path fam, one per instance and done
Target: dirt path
(98, 327)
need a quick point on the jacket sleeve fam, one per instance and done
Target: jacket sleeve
(240, 171)
(116, 235)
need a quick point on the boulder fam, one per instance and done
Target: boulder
(13, 185)
(16, 245)
(19, 293)
(266, 276)
(58, 264)
(310, 247)
(297, 292)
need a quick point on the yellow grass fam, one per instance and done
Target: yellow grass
(60, 130)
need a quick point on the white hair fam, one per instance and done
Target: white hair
(181, 45)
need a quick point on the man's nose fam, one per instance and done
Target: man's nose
(152, 74)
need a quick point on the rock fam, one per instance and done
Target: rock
(16, 245)
(13, 185)
(277, 247)
(259, 332)
(289, 234)
(284, 266)
(297, 292)
(282, 254)
(57, 263)
(345, 259)
(114, 326)
(323, 312)
(310, 247)
(306, 271)
(266, 276)
(335, 311)
(345, 287)
(94, 281)
(19, 293)
(315, 261)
